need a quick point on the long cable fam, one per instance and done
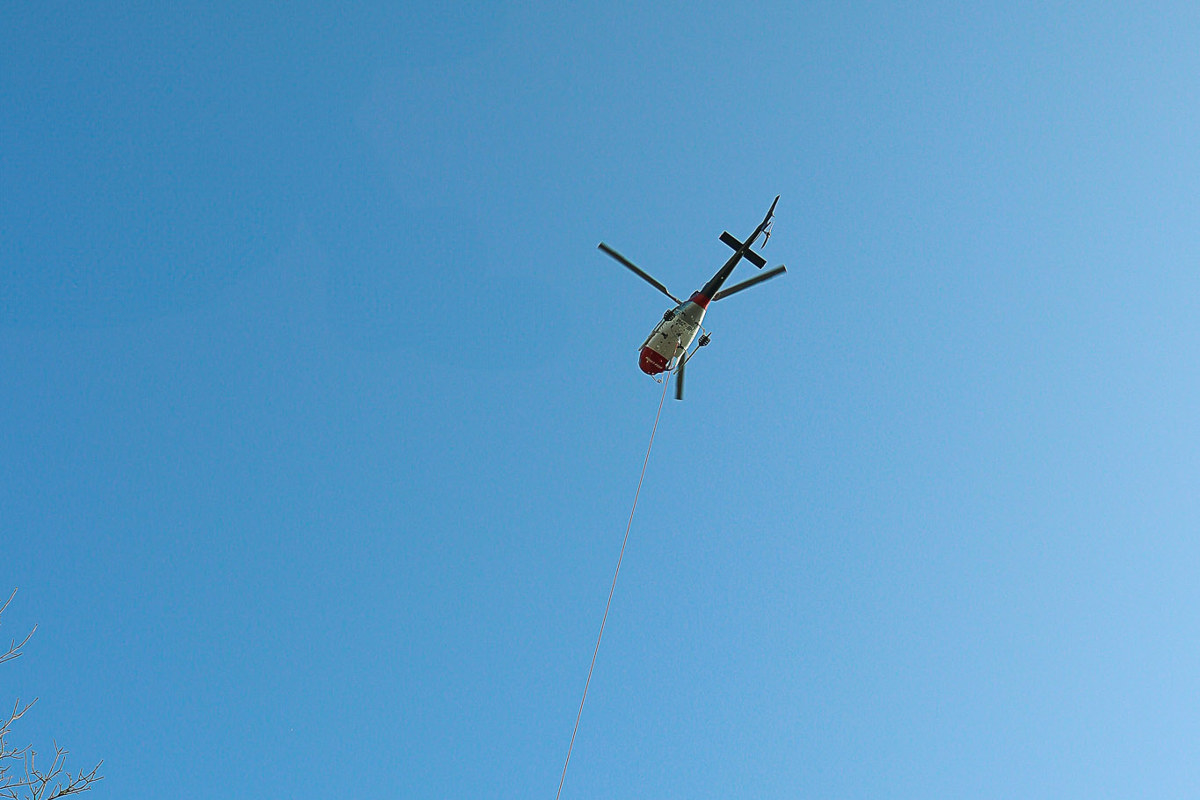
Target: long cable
(628, 526)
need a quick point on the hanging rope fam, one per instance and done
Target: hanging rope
(611, 589)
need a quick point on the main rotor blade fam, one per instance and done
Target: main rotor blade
(679, 376)
(636, 269)
(747, 284)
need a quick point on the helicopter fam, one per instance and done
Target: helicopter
(666, 348)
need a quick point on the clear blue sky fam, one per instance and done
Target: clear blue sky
(321, 414)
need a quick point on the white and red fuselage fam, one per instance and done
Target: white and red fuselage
(674, 335)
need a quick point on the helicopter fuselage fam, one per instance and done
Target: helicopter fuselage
(673, 336)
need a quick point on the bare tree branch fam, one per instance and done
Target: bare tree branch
(14, 649)
(54, 782)
(34, 783)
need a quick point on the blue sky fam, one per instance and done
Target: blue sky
(322, 418)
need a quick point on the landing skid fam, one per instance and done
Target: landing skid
(704, 339)
(683, 359)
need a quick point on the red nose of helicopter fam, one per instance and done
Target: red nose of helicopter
(651, 362)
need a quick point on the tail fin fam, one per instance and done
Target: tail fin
(751, 256)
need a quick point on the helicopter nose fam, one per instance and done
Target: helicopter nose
(651, 362)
